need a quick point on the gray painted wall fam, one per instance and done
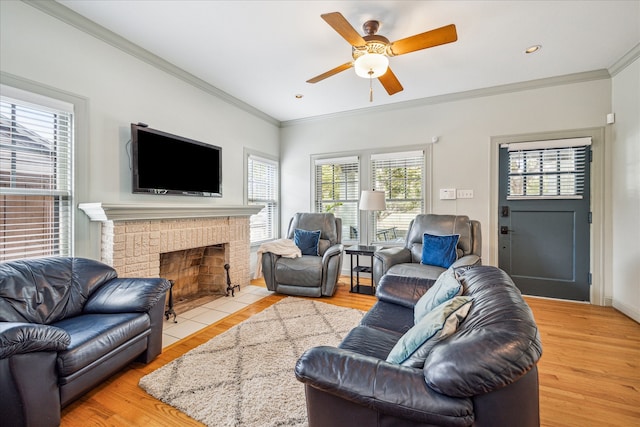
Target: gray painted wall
(625, 191)
(114, 88)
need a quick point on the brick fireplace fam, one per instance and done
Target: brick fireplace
(194, 241)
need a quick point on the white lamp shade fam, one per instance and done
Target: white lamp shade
(374, 62)
(372, 200)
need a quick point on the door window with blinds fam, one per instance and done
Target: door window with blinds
(552, 169)
(262, 189)
(337, 190)
(36, 190)
(400, 175)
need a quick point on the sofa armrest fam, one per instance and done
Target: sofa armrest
(18, 338)
(402, 290)
(268, 269)
(467, 261)
(388, 388)
(384, 259)
(126, 295)
(331, 252)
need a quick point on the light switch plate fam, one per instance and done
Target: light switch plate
(447, 194)
(465, 194)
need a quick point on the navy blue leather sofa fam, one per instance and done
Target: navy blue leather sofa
(484, 375)
(67, 324)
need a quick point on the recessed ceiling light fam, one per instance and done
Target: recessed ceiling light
(299, 96)
(533, 48)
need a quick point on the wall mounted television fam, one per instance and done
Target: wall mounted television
(169, 164)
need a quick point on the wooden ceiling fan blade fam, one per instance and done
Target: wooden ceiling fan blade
(390, 82)
(342, 27)
(332, 72)
(442, 35)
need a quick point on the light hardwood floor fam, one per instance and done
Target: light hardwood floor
(589, 371)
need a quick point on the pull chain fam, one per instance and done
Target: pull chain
(370, 85)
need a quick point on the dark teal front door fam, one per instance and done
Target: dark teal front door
(543, 240)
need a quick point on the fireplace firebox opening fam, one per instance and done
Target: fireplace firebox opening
(198, 275)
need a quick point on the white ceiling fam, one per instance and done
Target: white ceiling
(262, 52)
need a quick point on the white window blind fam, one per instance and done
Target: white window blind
(337, 188)
(36, 189)
(262, 189)
(547, 169)
(401, 176)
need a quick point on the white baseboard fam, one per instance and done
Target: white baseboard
(632, 312)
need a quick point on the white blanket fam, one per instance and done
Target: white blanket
(282, 247)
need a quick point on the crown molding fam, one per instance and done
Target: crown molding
(68, 16)
(625, 61)
(78, 21)
(458, 96)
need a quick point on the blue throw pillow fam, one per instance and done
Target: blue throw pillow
(439, 250)
(445, 288)
(415, 345)
(307, 241)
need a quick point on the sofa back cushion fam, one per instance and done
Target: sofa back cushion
(439, 225)
(46, 290)
(495, 345)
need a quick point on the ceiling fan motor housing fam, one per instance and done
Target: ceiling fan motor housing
(375, 44)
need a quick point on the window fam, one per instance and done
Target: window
(337, 190)
(547, 169)
(36, 190)
(401, 176)
(262, 189)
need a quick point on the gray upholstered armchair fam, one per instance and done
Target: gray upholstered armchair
(309, 275)
(406, 261)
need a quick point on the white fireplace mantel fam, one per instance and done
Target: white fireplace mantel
(131, 212)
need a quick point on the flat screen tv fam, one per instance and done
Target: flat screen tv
(168, 164)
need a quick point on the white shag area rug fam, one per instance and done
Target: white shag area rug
(245, 376)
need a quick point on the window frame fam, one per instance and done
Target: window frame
(86, 234)
(393, 159)
(347, 203)
(547, 169)
(53, 196)
(251, 155)
(364, 222)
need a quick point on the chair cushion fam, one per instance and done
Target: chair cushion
(413, 347)
(303, 271)
(370, 341)
(95, 335)
(412, 269)
(388, 316)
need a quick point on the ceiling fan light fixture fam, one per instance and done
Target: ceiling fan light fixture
(371, 65)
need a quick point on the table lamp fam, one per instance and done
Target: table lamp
(372, 200)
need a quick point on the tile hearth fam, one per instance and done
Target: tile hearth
(198, 318)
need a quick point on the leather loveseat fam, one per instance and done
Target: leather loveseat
(406, 260)
(484, 374)
(67, 324)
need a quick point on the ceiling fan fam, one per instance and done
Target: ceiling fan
(371, 52)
